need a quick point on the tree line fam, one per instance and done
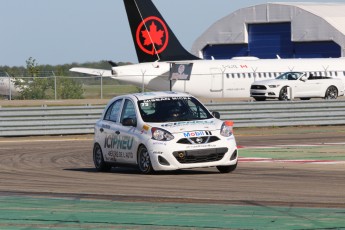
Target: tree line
(36, 81)
(59, 70)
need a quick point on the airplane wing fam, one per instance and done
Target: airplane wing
(97, 72)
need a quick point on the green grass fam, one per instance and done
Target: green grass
(109, 91)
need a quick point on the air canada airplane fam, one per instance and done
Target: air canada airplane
(7, 87)
(164, 64)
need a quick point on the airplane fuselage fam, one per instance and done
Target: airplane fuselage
(224, 78)
(7, 87)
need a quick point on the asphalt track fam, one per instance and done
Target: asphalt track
(287, 178)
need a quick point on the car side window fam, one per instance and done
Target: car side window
(113, 111)
(128, 111)
(196, 110)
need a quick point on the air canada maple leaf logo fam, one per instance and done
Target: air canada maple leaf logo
(152, 35)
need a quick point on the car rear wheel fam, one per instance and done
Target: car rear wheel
(331, 93)
(98, 160)
(283, 95)
(144, 161)
(227, 168)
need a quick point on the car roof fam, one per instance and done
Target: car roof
(159, 94)
(148, 96)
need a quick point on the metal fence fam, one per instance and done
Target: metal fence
(93, 86)
(58, 120)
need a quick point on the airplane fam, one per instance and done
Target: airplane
(161, 57)
(7, 87)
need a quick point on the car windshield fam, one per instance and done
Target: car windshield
(169, 109)
(289, 76)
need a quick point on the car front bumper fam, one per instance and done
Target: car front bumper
(265, 93)
(172, 156)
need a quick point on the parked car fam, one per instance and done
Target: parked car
(162, 131)
(297, 85)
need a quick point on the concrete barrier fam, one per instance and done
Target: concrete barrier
(60, 120)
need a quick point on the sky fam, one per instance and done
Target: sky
(58, 32)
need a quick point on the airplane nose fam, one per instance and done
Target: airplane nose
(114, 73)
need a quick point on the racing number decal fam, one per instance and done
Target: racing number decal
(154, 35)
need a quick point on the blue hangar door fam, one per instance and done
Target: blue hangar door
(269, 40)
(272, 39)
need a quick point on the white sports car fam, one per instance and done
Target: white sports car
(162, 131)
(297, 85)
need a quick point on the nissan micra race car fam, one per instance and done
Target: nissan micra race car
(162, 131)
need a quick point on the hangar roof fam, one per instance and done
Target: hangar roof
(309, 22)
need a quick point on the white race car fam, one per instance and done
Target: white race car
(162, 131)
(297, 85)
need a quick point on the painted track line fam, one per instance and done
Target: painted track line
(301, 161)
(46, 140)
(287, 146)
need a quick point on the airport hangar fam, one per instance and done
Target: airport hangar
(290, 30)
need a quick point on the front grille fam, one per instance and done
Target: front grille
(258, 87)
(200, 155)
(198, 140)
(258, 94)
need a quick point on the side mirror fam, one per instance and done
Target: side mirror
(304, 78)
(216, 115)
(129, 122)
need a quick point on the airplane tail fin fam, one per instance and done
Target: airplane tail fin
(153, 39)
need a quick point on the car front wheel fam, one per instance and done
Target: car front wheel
(227, 168)
(331, 93)
(144, 162)
(98, 160)
(283, 95)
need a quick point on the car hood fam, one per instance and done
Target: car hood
(188, 126)
(267, 82)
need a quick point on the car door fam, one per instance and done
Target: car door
(129, 135)
(108, 131)
(305, 87)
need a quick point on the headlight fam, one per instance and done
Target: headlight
(273, 86)
(226, 129)
(161, 134)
